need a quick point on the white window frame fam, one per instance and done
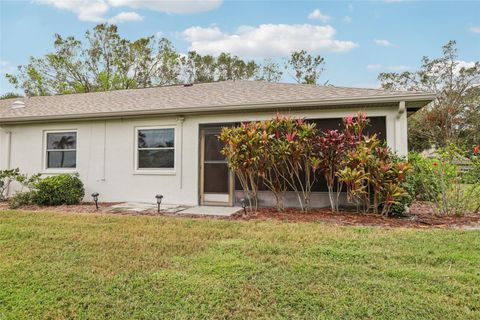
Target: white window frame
(45, 152)
(159, 171)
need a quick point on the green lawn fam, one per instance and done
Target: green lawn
(90, 266)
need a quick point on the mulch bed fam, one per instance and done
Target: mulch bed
(84, 207)
(421, 215)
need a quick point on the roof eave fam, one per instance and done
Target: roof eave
(417, 100)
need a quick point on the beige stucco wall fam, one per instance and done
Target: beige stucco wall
(106, 152)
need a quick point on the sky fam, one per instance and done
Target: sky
(358, 39)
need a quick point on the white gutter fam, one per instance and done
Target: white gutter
(427, 97)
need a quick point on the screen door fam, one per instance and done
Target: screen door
(216, 178)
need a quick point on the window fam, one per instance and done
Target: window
(155, 148)
(61, 150)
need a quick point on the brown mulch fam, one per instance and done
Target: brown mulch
(84, 207)
(421, 215)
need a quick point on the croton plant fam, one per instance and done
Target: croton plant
(287, 153)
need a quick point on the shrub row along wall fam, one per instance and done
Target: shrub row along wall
(286, 154)
(377, 125)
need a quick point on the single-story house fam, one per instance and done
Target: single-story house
(129, 145)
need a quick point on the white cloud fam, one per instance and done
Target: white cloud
(86, 10)
(266, 40)
(475, 29)
(125, 16)
(169, 6)
(373, 66)
(350, 7)
(382, 42)
(347, 19)
(199, 34)
(6, 67)
(463, 64)
(316, 14)
(398, 68)
(96, 10)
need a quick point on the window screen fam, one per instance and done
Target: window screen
(61, 150)
(156, 148)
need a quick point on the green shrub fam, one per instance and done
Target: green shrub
(20, 199)
(422, 172)
(441, 181)
(473, 175)
(374, 176)
(404, 203)
(57, 190)
(6, 178)
(13, 175)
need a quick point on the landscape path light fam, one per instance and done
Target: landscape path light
(95, 198)
(243, 202)
(159, 198)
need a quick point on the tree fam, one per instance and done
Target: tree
(453, 116)
(165, 68)
(10, 95)
(207, 68)
(199, 68)
(304, 67)
(233, 68)
(103, 61)
(269, 71)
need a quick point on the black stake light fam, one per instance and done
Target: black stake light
(159, 198)
(243, 202)
(95, 198)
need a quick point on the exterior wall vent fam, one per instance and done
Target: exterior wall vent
(18, 104)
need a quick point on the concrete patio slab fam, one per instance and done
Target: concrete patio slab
(211, 211)
(139, 207)
(143, 207)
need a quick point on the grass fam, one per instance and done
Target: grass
(55, 265)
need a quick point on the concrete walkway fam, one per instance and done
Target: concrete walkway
(139, 207)
(210, 211)
(143, 207)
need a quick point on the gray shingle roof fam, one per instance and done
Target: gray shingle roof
(196, 98)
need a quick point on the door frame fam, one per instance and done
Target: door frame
(201, 163)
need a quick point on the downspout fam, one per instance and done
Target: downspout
(401, 109)
(8, 148)
(101, 176)
(180, 120)
(399, 144)
(104, 166)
